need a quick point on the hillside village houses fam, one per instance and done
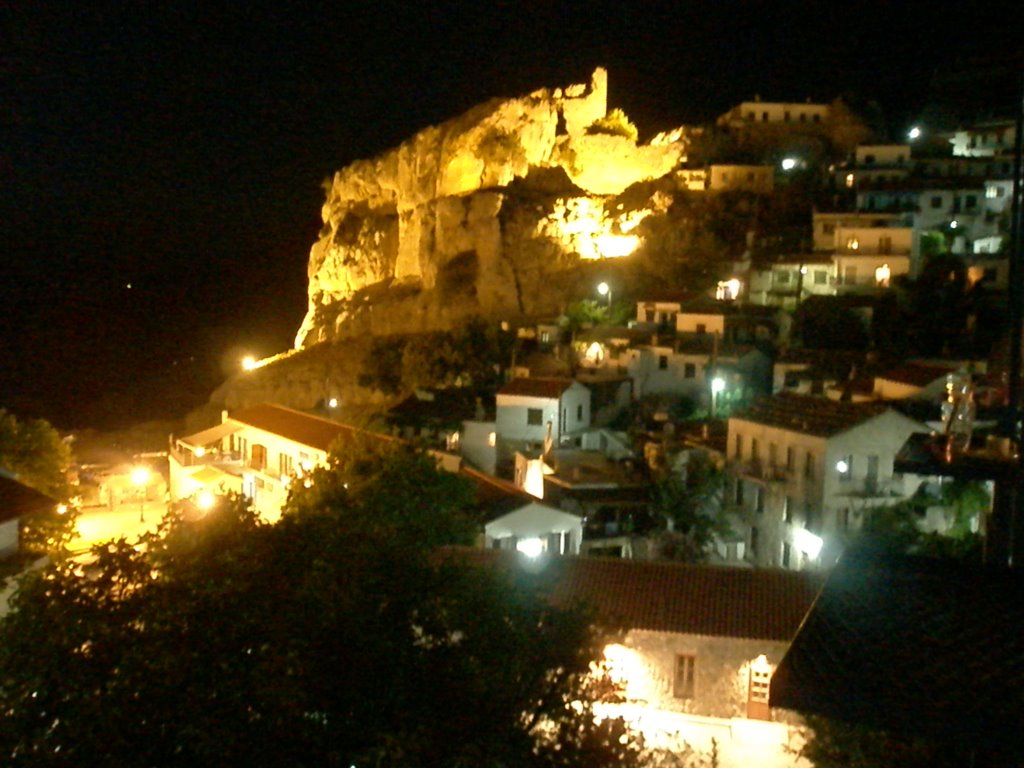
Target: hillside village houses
(552, 417)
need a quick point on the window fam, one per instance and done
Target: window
(662, 362)
(790, 458)
(816, 119)
(852, 244)
(809, 466)
(785, 555)
(702, 328)
(844, 519)
(759, 500)
(284, 464)
(689, 371)
(259, 456)
(683, 684)
(782, 276)
(828, 229)
(649, 315)
(739, 492)
(754, 535)
(534, 417)
(869, 159)
(971, 201)
(773, 454)
(579, 413)
(789, 504)
(820, 277)
(739, 446)
(751, 116)
(803, 117)
(786, 116)
(764, 117)
(810, 518)
(885, 244)
(755, 449)
(850, 277)
(936, 201)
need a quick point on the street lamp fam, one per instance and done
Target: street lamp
(140, 477)
(717, 386)
(249, 363)
(605, 290)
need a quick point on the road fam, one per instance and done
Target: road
(99, 524)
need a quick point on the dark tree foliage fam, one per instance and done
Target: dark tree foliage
(32, 451)
(692, 510)
(335, 637)
(825, 323)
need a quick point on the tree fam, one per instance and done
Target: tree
(33, 452)
(692, 509)
(338, 636)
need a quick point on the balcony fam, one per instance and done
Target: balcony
(760, 471)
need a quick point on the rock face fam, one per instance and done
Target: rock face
(483, 215)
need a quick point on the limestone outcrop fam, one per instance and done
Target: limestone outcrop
(480, 215)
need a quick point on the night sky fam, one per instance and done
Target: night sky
(181, 149)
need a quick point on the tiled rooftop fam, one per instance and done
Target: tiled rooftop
(536, 387)
(17, 500)
(931, 648)
(295, 425)
(917, 374)
(808, 415)
(672, 597)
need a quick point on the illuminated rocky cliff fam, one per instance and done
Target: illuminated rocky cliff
(487, 214)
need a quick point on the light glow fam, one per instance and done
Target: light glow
(717, 384)
(249, 363)
(140, 476)
(882, 276)
(332, 403)
(788, 163)
(205, 500)
(199, 452)
(954, 224)
(530, 547)
(807, 542)
(842, 467)
(914, 133)
(728, 290)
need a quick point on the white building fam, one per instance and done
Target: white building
(529, 411)
(805, 471)
(754, 112)
(256, 451)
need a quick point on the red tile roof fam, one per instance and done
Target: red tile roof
(295, 425)
(537, 387)
(918, 374)
(17, 500)
(809, 415)
(673, 597)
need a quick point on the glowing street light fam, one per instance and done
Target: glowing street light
(140, 478)
(914, 133)
(788, 163)
(717, 387)
(205, 500)
(532, 548)
(605, 290)
(249, 363)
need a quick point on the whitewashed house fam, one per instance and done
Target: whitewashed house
(805, 470)
(531, 411)
(256, 451)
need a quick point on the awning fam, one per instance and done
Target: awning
(208, 475)
(209, 436)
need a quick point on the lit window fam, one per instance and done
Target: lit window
(852, 244)
(849, 180)
(683, 685)
(492, 439)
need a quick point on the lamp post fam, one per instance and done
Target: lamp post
(140, 477)
(605, 290)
